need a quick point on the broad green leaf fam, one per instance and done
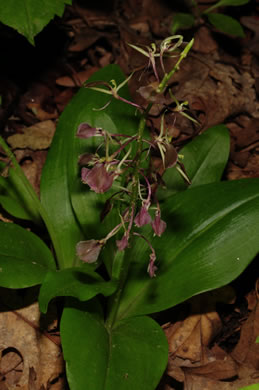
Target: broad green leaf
(257, 339)
(24, 258)
(21, 191)
(251, 387)
(29, 17)
(204, 160)
(71, 205)
(133, 355)
(13, 207)
(210, 239)
(79, 282)
(182, 20)
(16, 199)
(226, 24)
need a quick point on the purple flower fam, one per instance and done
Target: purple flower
(85, 158)
(88, 251)
(123, 243)
(151, 269)
(86, 131)
(98, 179)
(143, 217)
(158, 224)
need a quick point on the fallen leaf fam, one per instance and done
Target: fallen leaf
(247, 350)
(35, 137)
(204, 42)
(24, 347)
(41, 114)
(77, 79)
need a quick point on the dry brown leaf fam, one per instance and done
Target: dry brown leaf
(20, 340)
(83, 39)
(251, 169)
(247, 350)
(204, 42)
(252, 299)
(78, 79)
(33, 168)
(32, 164)
(216, 370)
(40, 113)
(63, 98)
(193, 382)
(222, 91)
(36, 137)
(189, 340)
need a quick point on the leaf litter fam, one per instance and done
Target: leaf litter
(211, 337)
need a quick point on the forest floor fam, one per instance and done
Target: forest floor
(212, 336)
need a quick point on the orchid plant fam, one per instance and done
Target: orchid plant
(136, 194)
(129, 237)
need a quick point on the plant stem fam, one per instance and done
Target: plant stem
(167, 76)
(32, 196)
(211, 8)
(121, 268)
(122, 259)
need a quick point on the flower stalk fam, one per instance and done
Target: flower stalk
(138, 183)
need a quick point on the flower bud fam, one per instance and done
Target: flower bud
(151, 269)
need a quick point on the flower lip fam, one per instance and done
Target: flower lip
(98, 179)
(143, 217)
(88, 251)
(158, 224)
(86, 131)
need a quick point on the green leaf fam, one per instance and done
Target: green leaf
(204, 160)
(13, 207)
(210, 239)
(81, 282)
(72, 206)
(226, 24)
(257, 339)
(251, 387)
(133, 355)
(24, 258)
(29, 17)
(16, 199)
(25, 194)
(182, 20)
(222, 3)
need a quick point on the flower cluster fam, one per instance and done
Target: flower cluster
(105, 170)
(101, 172)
